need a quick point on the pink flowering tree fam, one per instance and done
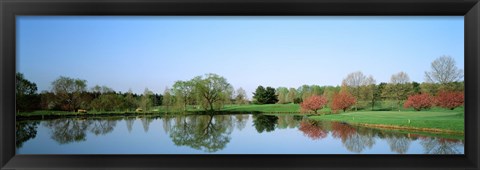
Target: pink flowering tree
(313, 103)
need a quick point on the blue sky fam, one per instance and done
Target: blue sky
(155, 51)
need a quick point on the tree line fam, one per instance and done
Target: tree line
(69, 94)
(442, 87)
(212, 92)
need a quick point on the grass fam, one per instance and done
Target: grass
(436, 119)
(266, 108)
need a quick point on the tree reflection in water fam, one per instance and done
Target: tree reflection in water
(101, 126)
(342, 131)
(208, 133)
(211, 133)
(398, 143)
(264, 122)
(69, 130)
(312, 129)
(24, 131)
(167, 123)
(129, 122)
(146, 120)
(241, 121)
(351, 139)
(441, 146)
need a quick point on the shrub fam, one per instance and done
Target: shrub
(449, 99)
(419, 101)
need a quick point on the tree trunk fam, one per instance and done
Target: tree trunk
(211, 105)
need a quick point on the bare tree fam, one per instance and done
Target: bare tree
(241, 96)
(354, 81)
(400, 78)
(444, 71)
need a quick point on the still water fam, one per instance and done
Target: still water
(221, 134)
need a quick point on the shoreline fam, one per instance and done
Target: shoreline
(54, 115)
(416, 129)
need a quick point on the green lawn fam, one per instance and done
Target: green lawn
(440, 119)
(266, 108)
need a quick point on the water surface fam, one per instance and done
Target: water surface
(221, 134)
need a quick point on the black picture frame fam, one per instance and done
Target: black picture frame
(470, 9)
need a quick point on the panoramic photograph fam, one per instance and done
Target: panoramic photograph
(240, 85)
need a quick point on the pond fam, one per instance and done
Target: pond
(221, 134)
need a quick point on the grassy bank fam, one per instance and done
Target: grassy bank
(439, 120)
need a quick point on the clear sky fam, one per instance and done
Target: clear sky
(138, 52)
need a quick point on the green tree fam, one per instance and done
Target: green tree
(292, 94)
(25, 93)
(146, 102)
(317, 90)
(368, 90)
(130, 101)
(47, 100)
(212, 90)
(184, 91)
(329, 92)
(228, 99)
(454, 86)
(282, 93)
(156, 99)
(168, 99)
(378, 93)
(98, 90)
(108, 102)
(265, 95)
(69, 92)
(399, 88)
(431, 88)
(304, 92)
(416, 88)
